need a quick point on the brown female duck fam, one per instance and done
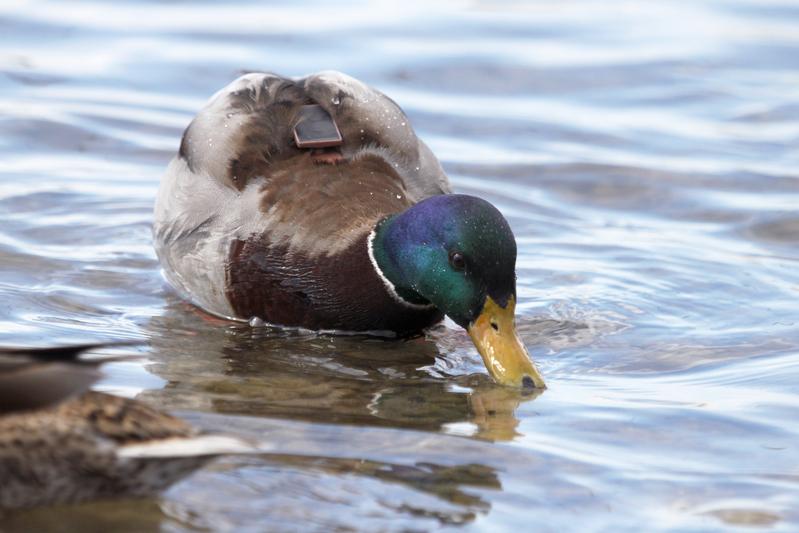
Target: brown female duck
(62, 444)
(363, 235)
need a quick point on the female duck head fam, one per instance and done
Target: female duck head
(458, 253)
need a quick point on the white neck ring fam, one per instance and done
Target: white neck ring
(392, 290)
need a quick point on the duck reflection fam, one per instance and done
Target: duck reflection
(213, 365)
(122, 516)
(449, 484)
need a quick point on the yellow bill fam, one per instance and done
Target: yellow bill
(505, 357)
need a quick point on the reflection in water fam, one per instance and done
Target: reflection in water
(237, 369)
(280, 490)
(447, 483)
(130, 516)
(355, 381)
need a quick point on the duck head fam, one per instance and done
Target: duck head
(457, 252)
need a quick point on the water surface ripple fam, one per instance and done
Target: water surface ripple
(646, 157)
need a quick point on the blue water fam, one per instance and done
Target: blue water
(646, 156)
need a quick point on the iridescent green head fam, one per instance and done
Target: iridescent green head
(458, 253)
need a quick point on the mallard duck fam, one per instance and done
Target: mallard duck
(359, 232)
(60, 443)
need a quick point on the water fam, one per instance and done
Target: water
(646, 157)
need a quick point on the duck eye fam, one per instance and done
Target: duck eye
(457, 260)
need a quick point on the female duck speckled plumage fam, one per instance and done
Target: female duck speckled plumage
(364, 236)
(61, 444)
